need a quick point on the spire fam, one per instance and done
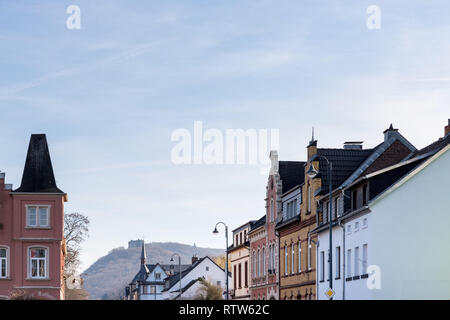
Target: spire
(313, 142)
(143, 254)
(38, 171)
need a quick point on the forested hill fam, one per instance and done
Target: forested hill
(108, 276)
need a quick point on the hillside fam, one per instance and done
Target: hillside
(107, 277)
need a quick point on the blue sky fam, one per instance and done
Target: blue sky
(109, 95)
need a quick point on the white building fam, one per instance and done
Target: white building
(204, 268)
(393, 242)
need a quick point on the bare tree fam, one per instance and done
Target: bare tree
(76, 230)
(209, 291)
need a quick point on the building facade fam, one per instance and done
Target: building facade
(32, 246)
(239, 256)
(264, 241)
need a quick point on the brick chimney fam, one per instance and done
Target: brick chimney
(447, 128)
(194, 259)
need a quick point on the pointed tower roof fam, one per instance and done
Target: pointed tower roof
(38, 172)
(143, 254)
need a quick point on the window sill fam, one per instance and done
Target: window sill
(338, 278)
(322, 281)
(356, 277)
(364, 276)
(6, 279)
(37, 279)
(37, 228)
(349, 279)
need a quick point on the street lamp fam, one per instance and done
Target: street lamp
(226, 251)
(179, 265)
(312, 173)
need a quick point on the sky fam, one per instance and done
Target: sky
(110, 94)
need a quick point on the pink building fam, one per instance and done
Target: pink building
(32, 245)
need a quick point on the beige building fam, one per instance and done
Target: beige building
(239, 256)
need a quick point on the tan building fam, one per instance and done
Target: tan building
(239, 256)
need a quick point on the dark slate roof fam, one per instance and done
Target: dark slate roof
(144, 272)
(292, 173)
(38, 172)
(258, 223)
(344, 161)
(435, 146)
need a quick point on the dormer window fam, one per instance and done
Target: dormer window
(158, 276)
(38, 216)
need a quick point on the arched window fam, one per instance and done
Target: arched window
(4, 262)
(38, 262)
(263, 258)
(259, 263)
(292, 259)
(285, 259)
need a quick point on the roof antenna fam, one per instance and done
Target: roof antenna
(312, 139)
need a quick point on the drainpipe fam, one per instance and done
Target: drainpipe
(343, 259)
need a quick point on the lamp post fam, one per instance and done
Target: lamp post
(312, 173)
(226, 251)
(179, 266)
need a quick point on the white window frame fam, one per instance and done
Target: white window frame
(38, 223)
(6, 261)
(299, 256)
(364, 223)
(292, 258)
(309, 253)
(349, 263)
(356, 226)
(356, 261)
(364, 258)
(30, 263)
(286, 260)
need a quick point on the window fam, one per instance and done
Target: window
(38, 263)
(235, 276)
(309, 198)
(285, 260)
(245, 235)
(152, 289)
(364, 223)
(254, 264)
(356, 271)
(259, 263)
(309, 253)
(292, 259)
(263, 258)
(38, 216)
(349, 229)
(364, 259)
(322, 266)
(207, 268)
(3, 263)
(365, 195)
(219, 283)
(270, 257)
(349, 262)
(338, 262)
(299, 256)
(354, 195)
(240, 238)
(246, 274)
(237, 242)
(158, 276)
(240, 276)
(336, 207)
(356, 226)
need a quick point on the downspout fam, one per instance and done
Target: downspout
(343, 259)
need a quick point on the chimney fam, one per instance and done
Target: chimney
(274, 162)
(390, 132)
(194, 259)
(447, 128)
(353, 145)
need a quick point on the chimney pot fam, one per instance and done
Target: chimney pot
(447, 128)
(353, 145)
